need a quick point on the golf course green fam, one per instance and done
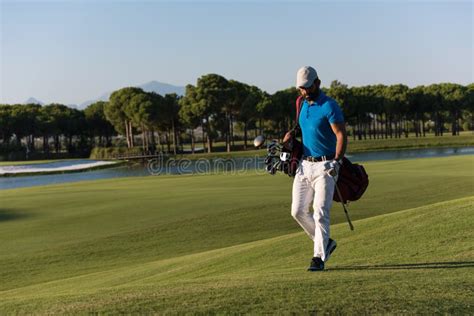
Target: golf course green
(225, 243)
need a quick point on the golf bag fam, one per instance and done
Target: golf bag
(294, 146)
(352, 181)
(285, 157)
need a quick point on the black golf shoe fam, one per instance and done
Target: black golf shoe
(316, 264)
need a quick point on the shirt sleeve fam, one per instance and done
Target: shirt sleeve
(335, 113)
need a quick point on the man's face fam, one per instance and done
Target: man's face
(310, 93)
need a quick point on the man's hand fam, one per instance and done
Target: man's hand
(334, 167)
(287, 137)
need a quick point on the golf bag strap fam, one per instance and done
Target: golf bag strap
(299, 102)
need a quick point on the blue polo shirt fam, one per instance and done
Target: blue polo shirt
(315, 120)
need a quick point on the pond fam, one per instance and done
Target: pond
(235, 165)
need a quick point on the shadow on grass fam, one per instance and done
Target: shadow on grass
(9, 215)
(408, 266)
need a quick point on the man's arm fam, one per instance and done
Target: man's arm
(294, 132)
(339, 130)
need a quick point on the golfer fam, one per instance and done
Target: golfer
(324, 144)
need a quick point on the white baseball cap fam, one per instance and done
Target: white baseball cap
(305, 77)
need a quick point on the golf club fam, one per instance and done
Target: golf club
(332, 173)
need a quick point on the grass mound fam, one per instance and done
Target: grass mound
(420, 260)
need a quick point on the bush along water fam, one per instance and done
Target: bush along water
(115, 152)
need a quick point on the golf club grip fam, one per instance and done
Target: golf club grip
(348, 219)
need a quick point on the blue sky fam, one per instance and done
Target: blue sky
(73, 51)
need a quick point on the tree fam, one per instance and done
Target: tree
(205, 101)
(97, 123)
(396, 97)
(53, 123)
(455, 97)
(115, 112)
(417, 107)
(24, 122)
(171, 117)
(140, 111)
(264, 109)
(342, 94)
(236, 93)
(248, 113)
(74, 124)
(187, 114)
(283, 111)
(355, 111)
(434, 101)
(6, 128)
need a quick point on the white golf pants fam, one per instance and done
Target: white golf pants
(313, 183)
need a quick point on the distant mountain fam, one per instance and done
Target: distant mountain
(162, 88)
(36, 101)
(33, 100)
(152, 86)
(104, 97)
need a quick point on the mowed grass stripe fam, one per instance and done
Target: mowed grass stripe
(418, 261)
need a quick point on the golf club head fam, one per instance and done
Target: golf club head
(259, 141)
(278, 165)
(272, 170)
(271, 145)
(273, 148)
(284, 156)
(269, 168)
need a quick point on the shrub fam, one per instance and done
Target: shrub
(114, 152)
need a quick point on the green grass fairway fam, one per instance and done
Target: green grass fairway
(221, 243)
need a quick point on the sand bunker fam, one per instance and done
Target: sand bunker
(53, 167)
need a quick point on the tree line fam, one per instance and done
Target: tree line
(226, 110)
(55, 126)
